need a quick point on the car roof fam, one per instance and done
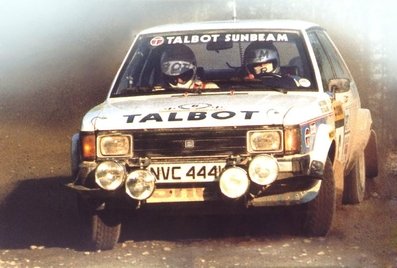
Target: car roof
(297, 25)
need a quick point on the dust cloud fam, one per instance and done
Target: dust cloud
(58, 59)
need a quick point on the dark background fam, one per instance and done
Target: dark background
(58, 59)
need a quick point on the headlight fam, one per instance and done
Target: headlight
(234, 182)
(263, 169)
(265, 141)
(109, 175)
(292, 140)
(115, 145)
(140, 184)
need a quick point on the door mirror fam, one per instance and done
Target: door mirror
(338, 85)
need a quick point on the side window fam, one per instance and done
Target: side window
(323, 61)
(338, 64)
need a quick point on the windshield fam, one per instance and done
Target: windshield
(216, 62)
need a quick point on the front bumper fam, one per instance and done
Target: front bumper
(296, 183)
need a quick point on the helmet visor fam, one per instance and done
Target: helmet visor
(175, 68)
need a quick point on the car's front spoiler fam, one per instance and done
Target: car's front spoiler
(292, 167)
(289, 198)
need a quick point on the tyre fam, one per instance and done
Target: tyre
(101, 225)
(371, 156)
(354, 182)
(318, 214)
(105, 229)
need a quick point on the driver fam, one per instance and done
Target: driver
(261, 59)
(179, 68)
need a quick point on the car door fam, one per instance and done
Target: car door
(345, 99)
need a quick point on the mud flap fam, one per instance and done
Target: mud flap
(75, 154)
(371, 156)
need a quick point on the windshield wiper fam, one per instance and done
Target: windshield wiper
(142, 90)
(192, 91)
(134, 90)
(258, 85)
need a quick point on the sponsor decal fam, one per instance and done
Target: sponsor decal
(192, 39)
(157, 41)
(303, 82)
(308, 137)
(230, 37)
(324, 107)
(339, 114)
(191, 116)
(346, 147)
(347, 121)
(252, 37)
(309, 134)
(196, 106)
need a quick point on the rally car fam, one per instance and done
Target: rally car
(236, 114)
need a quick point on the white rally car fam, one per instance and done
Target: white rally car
(233, 114)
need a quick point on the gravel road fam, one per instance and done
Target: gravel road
(39, 225)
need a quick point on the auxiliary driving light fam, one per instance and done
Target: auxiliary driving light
(234, 182)
(263, 169)
(140, 184)
(109, 175)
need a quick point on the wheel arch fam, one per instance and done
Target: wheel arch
(332, 151)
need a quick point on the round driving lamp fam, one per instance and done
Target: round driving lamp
(234, 182)
(109, 175)
(263, 169)
(140, 184)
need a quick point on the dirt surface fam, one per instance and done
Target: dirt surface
(39, 225)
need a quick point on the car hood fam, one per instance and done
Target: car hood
(205, 110)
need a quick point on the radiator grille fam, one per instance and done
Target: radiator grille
(190, 142)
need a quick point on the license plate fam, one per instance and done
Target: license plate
(200, 172)
(183, 195)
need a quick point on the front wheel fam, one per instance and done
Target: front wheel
(354, 183)
(319, 212)
(105, 229)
